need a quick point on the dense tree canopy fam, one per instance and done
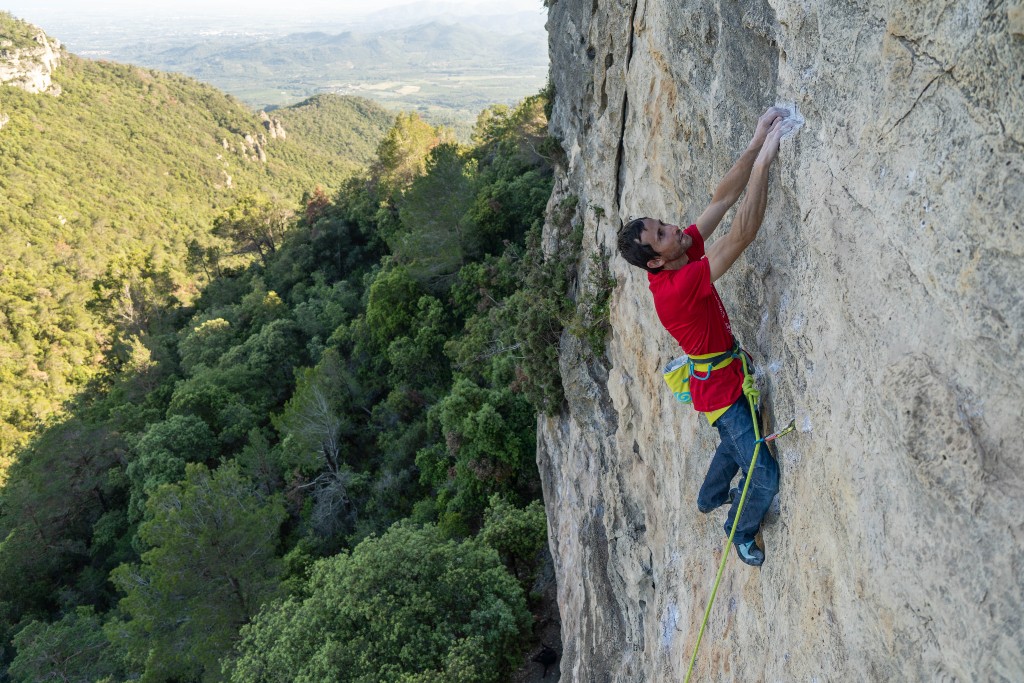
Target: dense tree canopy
(211, 564)
(409, 606)
(73, 649)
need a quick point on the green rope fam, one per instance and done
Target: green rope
(752, 395)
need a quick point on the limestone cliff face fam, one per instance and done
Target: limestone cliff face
(30, 68)
(883, 303)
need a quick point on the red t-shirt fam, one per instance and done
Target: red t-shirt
(689, 307)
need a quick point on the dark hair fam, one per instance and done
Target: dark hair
(632, 250)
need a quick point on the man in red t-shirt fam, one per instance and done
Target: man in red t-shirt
(681, 276)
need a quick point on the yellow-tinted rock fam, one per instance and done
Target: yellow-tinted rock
(883, 303)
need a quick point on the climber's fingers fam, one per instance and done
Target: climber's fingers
(781, 127)
(771, 116)
(773, 113)
(770, 148)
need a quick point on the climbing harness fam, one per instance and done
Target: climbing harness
(678, 374)
(680, 371)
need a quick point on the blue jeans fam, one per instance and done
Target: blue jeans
(733, 455)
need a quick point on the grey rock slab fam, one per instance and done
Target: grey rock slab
(883, 303)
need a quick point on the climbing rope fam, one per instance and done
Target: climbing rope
(752, 394)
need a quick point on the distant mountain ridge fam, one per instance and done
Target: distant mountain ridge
(508, 21)
(434, 44)
(453, 68)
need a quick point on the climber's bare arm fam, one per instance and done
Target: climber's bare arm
(724, 252)
(731, 187)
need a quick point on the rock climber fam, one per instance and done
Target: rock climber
(681, 276)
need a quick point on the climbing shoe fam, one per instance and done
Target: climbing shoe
(750, 554)
(734, 494)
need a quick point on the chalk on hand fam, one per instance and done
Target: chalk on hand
(795, 117)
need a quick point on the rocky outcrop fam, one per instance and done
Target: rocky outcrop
(883, 303)
(273, 126)
(30, 68)
(250, 147)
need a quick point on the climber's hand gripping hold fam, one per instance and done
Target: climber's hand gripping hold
(772, 116)
(750, 214)
(731, 187)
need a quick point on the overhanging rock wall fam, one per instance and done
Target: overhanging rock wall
(883, 302)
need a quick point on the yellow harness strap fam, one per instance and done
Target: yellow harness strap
(705, 368)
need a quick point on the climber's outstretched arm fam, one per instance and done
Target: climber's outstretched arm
(724, 252)
(731, 187)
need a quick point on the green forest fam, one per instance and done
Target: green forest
(103, 190)
(298, 431)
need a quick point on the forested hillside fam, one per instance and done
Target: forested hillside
(322, 466)
(102, 191)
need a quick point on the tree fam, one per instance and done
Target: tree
(254, 224)
(316, 427)
(434, 236)
(418, 360)
(210, 567)
(251, 380)
(132, 291)
(203, 257)
(403, 152)
(513, 135)
(408, 606)
(57, 490)
(391, 305)
(490, 438)
(205, 343)
(73, 649)
(317, 204)
(314, 419)
(514, 180)
(518, 534)
(161, 454)
(401, 157)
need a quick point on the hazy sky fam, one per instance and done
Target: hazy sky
(28, 9)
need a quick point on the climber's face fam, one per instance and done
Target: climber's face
(669, 241)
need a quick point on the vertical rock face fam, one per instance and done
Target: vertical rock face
(883, 303)
(30, 68)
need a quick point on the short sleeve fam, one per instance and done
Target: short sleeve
(696, 250)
